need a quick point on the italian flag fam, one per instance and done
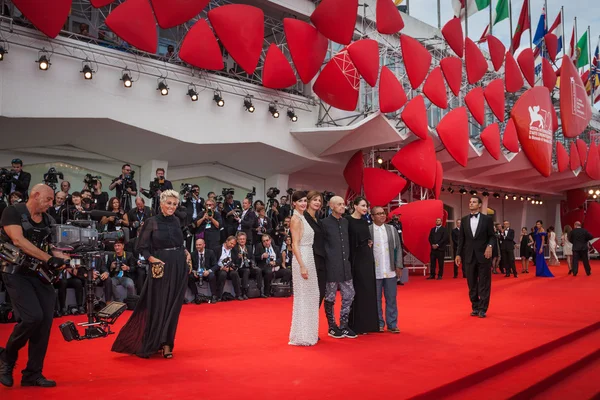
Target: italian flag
(472, 6)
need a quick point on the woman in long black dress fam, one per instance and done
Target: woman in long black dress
(153, 324)
(315, 201)
(363, 315)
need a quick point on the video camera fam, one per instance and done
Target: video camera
(6, 175)
(91, 181)
(251, 194)
(227, 191)
(128, 180)
(290, 191)
(186, 189)
(51, 177)
(327, 196)
(273, 192)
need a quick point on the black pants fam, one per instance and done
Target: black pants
(250, 273)
(34, 301)
(140, 279)
(222, 276)
(508, 260)
(62, 286)
(479, 279)
(436, 255)
(268, 275)
(321, 276)
(211, 279)
(462, 265)
(107, 286)
(583, 256)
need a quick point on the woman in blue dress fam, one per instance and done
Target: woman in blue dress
(540, 235)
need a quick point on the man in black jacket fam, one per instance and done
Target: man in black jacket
(122, 268)
(507, 247)
(137, 216)
(455, 235)
(231, 210)
(475, 243)
(580, 238)
(227, 270)
(243, 258)
(194, 205)
(204, 269)
(438, 239)
(20, 180)
(209, 222)
(248, 221)
(268, 259)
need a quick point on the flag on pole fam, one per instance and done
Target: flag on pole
(595, 68)
(523, 24)
(540, 31)
(582, 51)
(473, 6)
(556, 29)
(597, 99)
(397, 2)
(500, 14)
(572, 46)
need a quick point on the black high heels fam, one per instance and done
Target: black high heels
(167, 353)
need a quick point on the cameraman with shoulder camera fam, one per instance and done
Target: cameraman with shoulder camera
(157, 186)
(18, 180)
(125, 187)
(122, 268)
(27, 227)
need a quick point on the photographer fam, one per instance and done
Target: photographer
(27, 227)
(263, 225)
(204, 268)
(157, 186)
(247, 221)
(284, 210)
(226, 269)
(100, 197)
(282, 231)
(194, 205)
(232, 209)
(268, 259)
(243, 258)
(15, 198)
(115, 223)
(69, 279)
(65, 186)
(122, 267)
(210, 224)
(17, 179)
(125, 187)
(137, 216)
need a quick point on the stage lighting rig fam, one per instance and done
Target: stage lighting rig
(450, 190)
(505, 197)
(162, 87)
(462, 191)
(473, 192)
(43, 60)
(192, 92)
(218, 98)
(379, 159)
(292, 115)
(528, 198)
(273, 110)
(514, 197)
(126, 78)
(248, 104)
(522, 198)
(86, 70)
(485, 193)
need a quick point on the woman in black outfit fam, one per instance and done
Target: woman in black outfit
(364, 317)
(153, 324)
(315, 201)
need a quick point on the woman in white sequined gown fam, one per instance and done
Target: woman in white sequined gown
(305, 316)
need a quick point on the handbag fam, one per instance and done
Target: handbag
(158, 270)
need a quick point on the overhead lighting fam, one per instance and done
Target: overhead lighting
(292, 115)
(126, 78)
(379, 159)
(532, 201)
(473, 192)
(485, 193)
(273, 110)
(541, 201)
(3, 51)
(193, 94)
(505, 197)
(595, 196)
(462, 191)
(521, 198)
(162, 87)
(43, 62)
(514, 197)
(248, 104)
(528, 198)
(591, 191)
(218, 98)
(450, 190)
(496, 195)
(87, 71)
(598, 192)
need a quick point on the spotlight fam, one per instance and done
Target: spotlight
(218, 98)
(541, 201)
(591, 191)
(450, 190)
(192, 92)
(598, 192)
(485, 194)
(473, 192)
(248, 104)
(595, 196)
(528, 198)
(293, 117)
(532, 201)
(87, 71)
(521, 198)
(273, 110)
(505, 197)
(126, 78)
(163, 88)
(462, 191)
(379, 159)
(43, 62)
(514, 197)
(443, 189)
(496, 195)
(3, 51)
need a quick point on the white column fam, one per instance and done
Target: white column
(524, 213)
(148, 173)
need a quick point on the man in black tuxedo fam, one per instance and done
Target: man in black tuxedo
(227, 269)
(475, 242)
(194, 205)
(20, 180)
(455, 235)
(204, 269)
(268, 259)
(243, 258)
(248, 221)
(507, 247)
(580, 238)
(438, 239)
(231, 209)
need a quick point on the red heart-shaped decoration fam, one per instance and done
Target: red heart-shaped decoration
(417, 60)
(490, 137)
(592, 218)
(391, 92)
(381, 186)
(453, 33)
(435, 89)
(475, 62)
(453, 131)
(47, 16)
(338, 83)
(439, 179)
(574, 160)
(389, 20)
(365, 56)
(200, 47)
(548, 75)
(353, 172)
(527, 63)
(571, 217)
(277, 71)
(452, 69)
(416, 161)
(414, 116)
(513, 78)
(562, 157)
(336, 19)
(575, 109)
(308, 47)
(476, 103)
(133, 21)
(170, 13)
(510, 140)
(497, 50)
(494, 94)
(592, 167)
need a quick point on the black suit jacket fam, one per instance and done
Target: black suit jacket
(319, 241)
(130, 261)
(236, 253)
(230, 220)
(440, 238)
(268, 229)
(259, 251)
(249, 224)
(189, 209)
(210, 260)
(21, 185)
(580, 238)
(455, 235)
(473, 247)
(508, 242)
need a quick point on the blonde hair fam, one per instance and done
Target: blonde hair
(168, 193)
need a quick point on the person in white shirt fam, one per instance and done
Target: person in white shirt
(387, 251)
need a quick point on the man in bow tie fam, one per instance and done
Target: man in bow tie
(507, 246)
(438, 239)
(475, 242)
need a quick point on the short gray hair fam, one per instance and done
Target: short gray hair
(168, 193)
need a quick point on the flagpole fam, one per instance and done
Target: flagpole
(407, 7)
(510, 27)
(529, 16)
(547, 14)
(589, 38)
(466, 19)
(439, 15)
(562, 24)
(491, 22)
(575, 42)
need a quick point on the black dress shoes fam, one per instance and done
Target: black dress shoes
(474, 313)
(431, 277)
(399, 283)
(481, 314)
(6, 371)
(439, 278)
(507, 275)
(40, 381)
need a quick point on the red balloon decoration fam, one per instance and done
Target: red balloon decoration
(475, 101)
(170, 13)
(582, 150)
(497, 50)
(101, 3)
(133, 21)
(453, 130)
(574, 160)
(381, 186)
(548, 75)
(527, 63)
(414, 116)
(308, 47)
(562, 157)
(575, 109)
(494, 94)
(416, 161)
(47, 16)
(353, 172)
(490, 137)
(391, 92)
(365, 56)
(439, 179)
(513, 78)
(417, 60)
(277, 71)
(576, 198)
(571, 217)
(338, 83)
(200, 47)
(452, 69)
(336, 19)
(592, 218)
(475, 62)
(435, 89)
(551, 42)
(389, 20)
(241, 30)
(453, 33)
(533, 120)
(510, 139)
(592, 167)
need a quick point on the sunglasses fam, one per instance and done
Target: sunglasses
(16, 161)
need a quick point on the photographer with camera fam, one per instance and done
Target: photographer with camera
(209, 224)
(68, 278)
(125, 187)
(194, 205)
(285, 209)
(204, 269)
(65, 186)
(136, 216)
(227, 269)
(16, 180)
(114, 223)
(57, 211)
(282, 231)
(243, 258)
(232, 209)
(268, 259)
(27, 227)
(94, 185)
(263, 224)
(122, 267)
(248, 220)
(157, 186)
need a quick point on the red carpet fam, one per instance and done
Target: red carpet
(541, 339)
